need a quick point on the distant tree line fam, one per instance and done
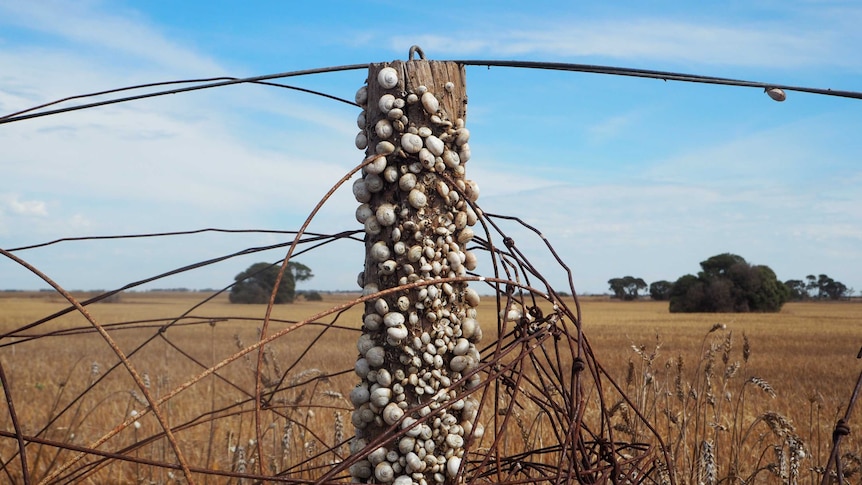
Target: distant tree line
(728, 283)
(820, 287)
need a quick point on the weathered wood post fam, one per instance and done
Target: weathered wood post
(417, 343)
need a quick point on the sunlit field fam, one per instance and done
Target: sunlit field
(752, 382)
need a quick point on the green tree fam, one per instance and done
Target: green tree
(798, 290)
(626, 288)
(660, 290)
(255, 284)
(728, 283)
(827, 288)
(720, 264)
(686, 294)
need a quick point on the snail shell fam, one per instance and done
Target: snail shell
(383, 472)
(372, 226)
(381, 306)
(459, 363)
(386, 214)
(380, 396)
(380, 251)
(364, 343)
(403, 480)
(453, 464)
(399, 247)
(392, 413)
(360, 191)
(384, 378)
(377, 166)
(385, 103)
(407, 181)
(468, 327)
(359, 395)
(387, 78)
(462, 345)
(372, 323)
(374, 357)
(361, 97)
(361, 140)
(384, 148)
(426, 158)
(435, 145)
(398, 333)
(430, 103)
(414, 463)
(450, 158)
(361, 120)
(373, 183)
(378, 455)
(406, 445)
(454, 441)
(361, 469)
(387, 267)
(465, 236)
(411, 143)
(414, 253)
(383, 128)
(363, 212)
(361, 366)
(471, 297)
(462, 137)
(472, 217)
(393, 319)
(356, 445)
(470, 260)
(417, 199)
(464, 153)
(472, 190)
(390, 174)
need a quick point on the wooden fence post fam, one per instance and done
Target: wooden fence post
(417, 343)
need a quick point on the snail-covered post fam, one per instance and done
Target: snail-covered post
(412, 422)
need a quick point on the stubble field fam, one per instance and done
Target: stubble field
(697, 377)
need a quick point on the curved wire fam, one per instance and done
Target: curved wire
(158, 234)
(228, 81)
(166, 83)
(652, 74)
(553, 66)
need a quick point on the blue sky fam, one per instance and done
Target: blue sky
(624, 176)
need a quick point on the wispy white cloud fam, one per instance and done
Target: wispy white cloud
(27, 208)
(794, 42)
(127, 36)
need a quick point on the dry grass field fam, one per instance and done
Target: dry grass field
(694, 380)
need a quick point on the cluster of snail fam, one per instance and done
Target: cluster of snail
(418, 346)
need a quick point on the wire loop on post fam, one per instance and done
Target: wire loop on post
(414, 49)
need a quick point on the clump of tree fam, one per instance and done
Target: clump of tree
(728, 283)
(255, 284)
(660, 290)
(627, 288)
(821, 287)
